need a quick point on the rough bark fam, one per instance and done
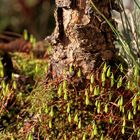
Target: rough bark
(82, 37)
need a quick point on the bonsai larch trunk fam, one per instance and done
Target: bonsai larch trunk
(82, 37)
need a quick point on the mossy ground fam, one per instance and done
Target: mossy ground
(72, 107)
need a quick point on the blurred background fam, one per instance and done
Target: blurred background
(34, 15)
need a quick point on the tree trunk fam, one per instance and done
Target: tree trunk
(82, 37)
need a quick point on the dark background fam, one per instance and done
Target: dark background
(34, 15)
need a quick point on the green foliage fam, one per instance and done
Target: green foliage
(30, 66)
(77, 107)
(86, 113)
(101, 112)
(15, 96)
